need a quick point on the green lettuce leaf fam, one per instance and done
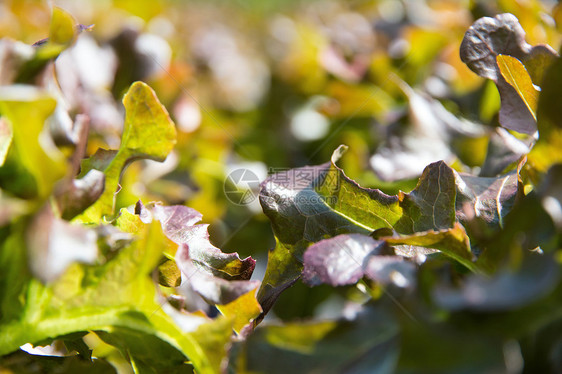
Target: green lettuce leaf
(149, 133)
(119, 300)
(27, 108)
(309, 204)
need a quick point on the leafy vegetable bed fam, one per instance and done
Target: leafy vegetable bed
(460, 274)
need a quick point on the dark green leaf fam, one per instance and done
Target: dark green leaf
(308, 204)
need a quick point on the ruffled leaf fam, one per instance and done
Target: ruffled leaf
(308, 204)
(149, 133)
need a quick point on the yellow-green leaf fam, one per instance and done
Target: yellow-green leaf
(62, 34)
(149, 133)
(243, 310)
(452, 242)
(299, 337)
(128, 222)
(61, 30)
(514, 72)
(27, 108)
(169, 275)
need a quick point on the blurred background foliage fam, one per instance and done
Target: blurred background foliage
(272, 85)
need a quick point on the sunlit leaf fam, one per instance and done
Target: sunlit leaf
(339, 260)
(169, 274)
(62, 33)
(149, 133)
(503, 35)
(61, 30)
(309, 204)
(243, 310)
(118, 299)
(513, 71)
(27, 108)
(452, 242)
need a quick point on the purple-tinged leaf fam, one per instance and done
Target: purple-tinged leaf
(178, 224)
(218, 277)
(430, 206)
(212, 260)
(175, 219)
(489, 37)
(79, 194)
(308, 204)
(339, 260)
(201, 277)
(483, 42)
